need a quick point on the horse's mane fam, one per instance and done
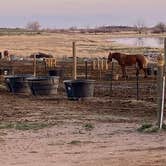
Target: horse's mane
(118, 55)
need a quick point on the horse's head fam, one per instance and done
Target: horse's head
(109, 58)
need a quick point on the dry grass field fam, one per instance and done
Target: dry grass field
(60, 44)
(53, 131)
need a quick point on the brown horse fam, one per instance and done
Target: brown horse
(124, 60)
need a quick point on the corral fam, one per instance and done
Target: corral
(102, 130)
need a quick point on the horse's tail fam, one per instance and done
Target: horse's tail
(145, 64)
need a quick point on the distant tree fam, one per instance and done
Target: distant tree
(159, 28)
(33, 26)
(140, 26)
(73, 28)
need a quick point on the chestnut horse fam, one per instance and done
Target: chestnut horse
(124, 60)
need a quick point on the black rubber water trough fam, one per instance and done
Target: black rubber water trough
(16, 83)
(43, 85)
(76, 89)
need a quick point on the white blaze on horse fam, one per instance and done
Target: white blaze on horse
(129, 60)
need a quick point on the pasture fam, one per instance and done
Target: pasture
(98, 131)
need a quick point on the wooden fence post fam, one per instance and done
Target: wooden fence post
(106, 65)
(50, 63)
(102, 64)
(34, 65)
(137, 77)
(55, 62)
(74, 62)
(45, 65)
(86, 69)
(98, 64)
(94, 64)
(111, 75)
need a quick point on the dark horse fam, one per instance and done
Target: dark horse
(124, 60)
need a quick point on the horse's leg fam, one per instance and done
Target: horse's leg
(144, 68)
(126, 76)
(145, 72)
(137, 71)
(123, 71)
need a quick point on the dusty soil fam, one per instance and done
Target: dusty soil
(98, 132)
(101, 131)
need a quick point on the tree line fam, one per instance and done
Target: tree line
(139, 27)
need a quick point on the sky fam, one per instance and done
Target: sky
(81, 13)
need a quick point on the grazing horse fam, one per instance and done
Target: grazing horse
(41, 55)
(124, 60)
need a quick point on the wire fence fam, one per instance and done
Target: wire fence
(108, 78)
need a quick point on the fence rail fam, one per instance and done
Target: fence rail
(96, 69)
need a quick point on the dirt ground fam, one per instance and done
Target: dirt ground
(92, 132)
(100, 131)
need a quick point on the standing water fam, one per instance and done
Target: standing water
(140, 41)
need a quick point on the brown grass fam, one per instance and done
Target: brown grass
(60, 45)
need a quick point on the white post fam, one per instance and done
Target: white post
(160, 84)
(162, 103)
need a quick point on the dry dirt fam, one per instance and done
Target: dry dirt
(91, 132)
